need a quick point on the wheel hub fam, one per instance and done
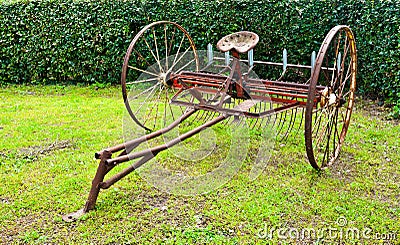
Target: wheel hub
(162, 78)
(330, 99)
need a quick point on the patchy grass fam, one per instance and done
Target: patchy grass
(48, 137)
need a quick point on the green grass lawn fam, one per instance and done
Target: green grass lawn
(49, 136)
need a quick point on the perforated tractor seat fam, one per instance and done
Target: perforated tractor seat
(242, 42)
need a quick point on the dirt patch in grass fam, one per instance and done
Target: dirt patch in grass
(373, 109)
(344, 168)
(35, 151)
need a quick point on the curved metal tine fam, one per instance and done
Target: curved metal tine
(267, 118)
(258, 109)
(287, 126)
(281, 124)
(275, 115)
(258, 121)
(210, 114)
(194, 119)
(300, 123)
(227, 121)
(252, 121)
(230, 105)
(295, 119)
(206, 115)
(293, 113)
(238, 122)
(270, 107)
(203, 115)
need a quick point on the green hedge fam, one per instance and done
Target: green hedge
(85, 41)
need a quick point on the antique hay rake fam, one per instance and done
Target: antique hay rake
(179, 84)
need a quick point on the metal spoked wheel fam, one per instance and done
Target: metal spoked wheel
(329, 108)
(158, 51)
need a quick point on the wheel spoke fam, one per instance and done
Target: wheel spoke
(143, 71)
(317, 122)
(142, 58)
(187, 64)
(151, 104)
(143, 92)
(326, 72)
(165, 109)
(156, 46)
(170, 108)
(147, 97)
(347, 93)
(154, 103)
(175, 63)
(166, 47)
(342, 65)
(154, 56)
(177, 52)
(348, 75)
(324, 128)
(143, 81)
(157, 105)
(172, 41)
(329, 128)
(334, 130)
(335, 62)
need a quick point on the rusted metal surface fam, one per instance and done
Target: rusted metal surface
(325, 102)
(240, 42)
(337, 118)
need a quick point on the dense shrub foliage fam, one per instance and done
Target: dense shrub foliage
(85, 41)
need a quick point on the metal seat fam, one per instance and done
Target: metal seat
(242, 42)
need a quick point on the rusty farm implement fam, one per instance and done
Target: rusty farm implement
(173, 84)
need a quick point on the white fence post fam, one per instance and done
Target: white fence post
(284, 59)
(227, 58)
(209, 54)
(312, 60)
(250, 56)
